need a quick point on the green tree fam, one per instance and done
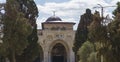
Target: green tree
(81, 34)
(84, 52)
(114, 36)
(29, 8)
(16, 31)
(97, 31)
(117, 10)
(82, 30)
(98, 35)
(93, 57)
(32, 51)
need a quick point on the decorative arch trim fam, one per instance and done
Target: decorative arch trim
(61, 42)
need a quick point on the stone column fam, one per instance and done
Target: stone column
(49, 56)
(72, 56)
(45, 51)
(46, 57)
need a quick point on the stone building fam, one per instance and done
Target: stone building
(56, 39)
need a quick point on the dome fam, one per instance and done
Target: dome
(53, 18)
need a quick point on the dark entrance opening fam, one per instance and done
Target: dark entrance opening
(58, 53)
(58, 59)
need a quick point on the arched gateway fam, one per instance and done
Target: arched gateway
(56, 39)
(58, 53)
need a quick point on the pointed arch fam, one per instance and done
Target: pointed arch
(63, 45)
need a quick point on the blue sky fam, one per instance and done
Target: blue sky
(42, 2)
(70, 10)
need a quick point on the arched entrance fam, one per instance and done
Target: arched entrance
(58, 53)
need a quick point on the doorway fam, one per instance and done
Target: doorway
(58, 53)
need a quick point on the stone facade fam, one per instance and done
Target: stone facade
(56, 39)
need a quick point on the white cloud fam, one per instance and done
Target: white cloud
(72, 9)
(114, 2)
(2, 1)
(39, 21)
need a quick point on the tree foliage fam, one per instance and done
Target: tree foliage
(98, 35)
(113, 31)
(33, 49)
(114, 36)
(23, 10)
(117, 10)
(29, 8)
(106, 38)
(87, 53)
(16, 30)
(81, 34)
(93, 57)
(82, 30)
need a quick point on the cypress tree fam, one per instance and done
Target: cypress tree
(81, 34)
(29, 8)
(82, 30)
(16, 30)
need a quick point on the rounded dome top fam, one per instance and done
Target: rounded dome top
(53, 18)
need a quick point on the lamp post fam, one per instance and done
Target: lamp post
(101, 10)
(102, 21)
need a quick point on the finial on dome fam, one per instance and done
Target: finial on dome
(53, 18)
